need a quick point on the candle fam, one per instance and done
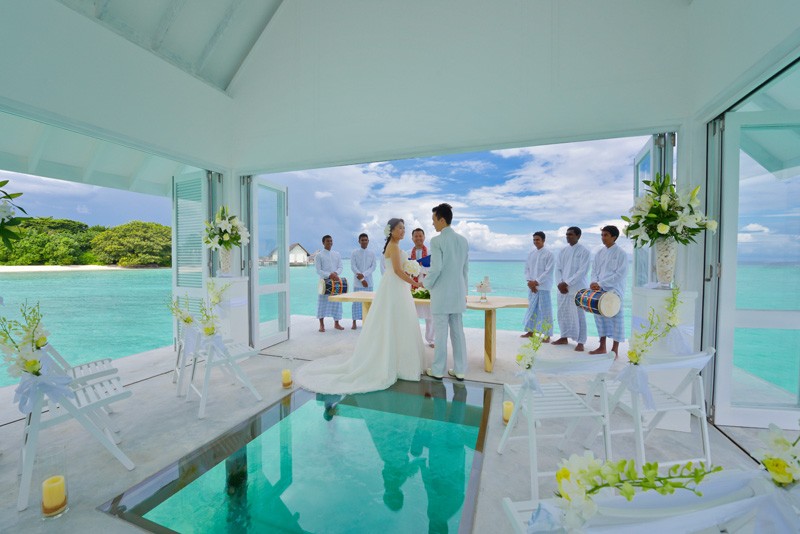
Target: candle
(286, 378)
(508, 407)
(54, 496)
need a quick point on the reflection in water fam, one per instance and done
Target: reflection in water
(238, 519)
(443, 475)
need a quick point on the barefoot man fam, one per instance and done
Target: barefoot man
(329, 265)
(539, 274)
(362, 263)
(609, 272)
(447, 282)
(572, 268)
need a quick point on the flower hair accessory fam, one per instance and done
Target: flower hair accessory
(387, 231)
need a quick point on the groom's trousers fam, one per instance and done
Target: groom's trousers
(442, 322)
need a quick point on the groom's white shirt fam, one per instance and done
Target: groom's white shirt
(447, 276)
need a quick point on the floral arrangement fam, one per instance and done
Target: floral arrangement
(226, 231)
(8, 215)
(215, 293)
(662, 213)
(527, 351)
(182, 314)
(780, 457)
(208, 321)
(411, 267)
(387, 231)
(421, 293)
(20, 341)
(581, 477)
(642, 342)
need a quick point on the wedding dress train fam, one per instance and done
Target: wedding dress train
(390, 347)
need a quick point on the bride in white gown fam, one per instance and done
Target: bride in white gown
(390, 345)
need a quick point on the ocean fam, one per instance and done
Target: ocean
(94, 314)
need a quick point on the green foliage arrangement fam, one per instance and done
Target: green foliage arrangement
(135, 243)
(8, 216)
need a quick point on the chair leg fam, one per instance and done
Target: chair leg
(533, 453)
(701, 400)
(606, 418)
(240, 374)
(176, 373)
(512, 421)
(206, 379)
(28, 452)
(638, 431)
(99, 435)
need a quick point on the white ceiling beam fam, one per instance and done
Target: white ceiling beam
(91, 165)
(140, 173)
(223, 25)
(100, 9)
(38, 149)
(166, 23)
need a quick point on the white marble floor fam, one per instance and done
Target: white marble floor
(159, 428)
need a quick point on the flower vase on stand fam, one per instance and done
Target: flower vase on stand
(224, 261)
(666, 255)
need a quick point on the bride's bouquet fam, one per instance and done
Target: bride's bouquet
(411, 267)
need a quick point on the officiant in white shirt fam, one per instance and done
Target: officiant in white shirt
(418, 252)
(362, 263)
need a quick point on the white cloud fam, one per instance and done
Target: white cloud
(83, 209)
(755, 227)
(409, 184)
(322, 194)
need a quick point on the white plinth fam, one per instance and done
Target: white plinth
(643, 300)
(233, 313)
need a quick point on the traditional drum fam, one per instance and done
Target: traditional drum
(332, 287)
(600, 302)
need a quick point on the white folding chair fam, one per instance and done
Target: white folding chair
(87, 407)
(647, 403)
(557, 401)
(188, 345)
(81, 373)
(223, 355)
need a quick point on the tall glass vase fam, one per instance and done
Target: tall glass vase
(224, 262)
(666, 254)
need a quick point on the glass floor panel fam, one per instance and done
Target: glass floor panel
(407, 459)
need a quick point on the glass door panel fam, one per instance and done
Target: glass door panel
(269, 263)
(758, 340)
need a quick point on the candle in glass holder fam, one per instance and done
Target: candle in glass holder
(286, 378)
(54, 496)
(508, 407)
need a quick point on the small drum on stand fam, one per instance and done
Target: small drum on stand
(599, 302)
(332, 287)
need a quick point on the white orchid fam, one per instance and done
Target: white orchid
(226, 231)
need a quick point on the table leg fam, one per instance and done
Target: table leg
(364, 311)
(489, 339)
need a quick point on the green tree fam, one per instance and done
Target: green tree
(136, 243)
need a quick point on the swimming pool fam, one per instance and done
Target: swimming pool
(400, 460)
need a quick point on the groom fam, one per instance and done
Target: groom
(447, 282)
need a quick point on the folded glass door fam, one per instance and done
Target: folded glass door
(757, 376)
(268, 261)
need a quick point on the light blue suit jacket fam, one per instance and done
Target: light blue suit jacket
(447, 277)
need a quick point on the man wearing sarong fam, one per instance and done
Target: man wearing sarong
(539, 274)
(609, 273)
(572, 269)
(362, 263)
(423, 310)
(329, 265)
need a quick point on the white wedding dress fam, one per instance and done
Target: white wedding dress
(390, 347)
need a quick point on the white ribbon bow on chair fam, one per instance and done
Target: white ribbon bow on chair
(55, 386)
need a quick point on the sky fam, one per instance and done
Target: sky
(499, 199)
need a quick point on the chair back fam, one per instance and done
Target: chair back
(696, 361)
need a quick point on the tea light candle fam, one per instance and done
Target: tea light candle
(508, 407)
(54, 496)
(286, 378)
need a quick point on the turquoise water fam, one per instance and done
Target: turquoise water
(364, 468)
(117, 313)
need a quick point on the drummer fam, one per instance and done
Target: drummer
(572, 267)
(609, 273)
(329, 265)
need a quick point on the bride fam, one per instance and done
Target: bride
(390, 345)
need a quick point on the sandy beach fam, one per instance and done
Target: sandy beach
(54, 268)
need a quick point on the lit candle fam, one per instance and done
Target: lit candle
(54, 496)
(286, 378)
(508, 407)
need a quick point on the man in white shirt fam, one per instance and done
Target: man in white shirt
(362, 263)
(539, 274)
(572, 268)
(329, 265)
(418, 252)
(609, 273)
